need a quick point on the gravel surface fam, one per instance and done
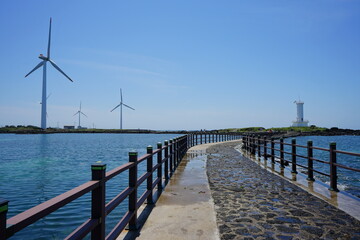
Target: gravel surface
(252, 203)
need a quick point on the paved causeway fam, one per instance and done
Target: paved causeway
(252, 203)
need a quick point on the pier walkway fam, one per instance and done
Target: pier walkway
(252, 203)
(238, 199)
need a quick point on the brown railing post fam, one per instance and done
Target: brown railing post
(175, 151)
(272, 150)
(171, 154)
(149, 180)
(293, 155)
(166, 170)
(3, 211)
(265, 148)
(253, 145)
(310, 161)
(259, 145)
(133, 195)
(159, 170)
(282, 164)
(201, 138)
(98, 201)
(333, 170)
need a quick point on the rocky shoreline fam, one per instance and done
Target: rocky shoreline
(275, 134)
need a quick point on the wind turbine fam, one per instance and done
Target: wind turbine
(121, 105)
(46, 59)
(80, 112)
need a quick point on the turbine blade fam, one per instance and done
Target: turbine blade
(120, 95)
(48, 96)
(83, 114)
(76, 113)
(48, 50)
(37, 66)
(115, 107)
(128, 106)
(55, 66)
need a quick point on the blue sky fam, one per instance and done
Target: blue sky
(183, 64)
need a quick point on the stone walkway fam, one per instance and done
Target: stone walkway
(252, 203)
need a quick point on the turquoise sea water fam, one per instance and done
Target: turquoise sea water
(347, 180)
(36, 168)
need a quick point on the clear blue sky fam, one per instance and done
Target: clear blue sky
(183, 64)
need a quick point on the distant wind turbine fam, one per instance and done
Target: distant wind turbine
(120, 105)
(80, 112)
(46, 59)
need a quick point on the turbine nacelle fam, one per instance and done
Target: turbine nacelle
(43, 57)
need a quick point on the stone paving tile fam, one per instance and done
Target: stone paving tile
(252, 203)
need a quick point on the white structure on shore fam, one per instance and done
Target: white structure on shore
(300, 122)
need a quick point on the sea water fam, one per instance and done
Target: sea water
(348, 180)
(36, 168)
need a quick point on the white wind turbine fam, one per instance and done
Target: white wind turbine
(80, 112)
(46, 59)
(120, 105)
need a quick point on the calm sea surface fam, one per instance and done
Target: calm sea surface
(347, 180)
(36, 168)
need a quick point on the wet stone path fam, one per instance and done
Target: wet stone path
(252, 203)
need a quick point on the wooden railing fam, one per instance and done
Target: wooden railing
(168, 157)
(260, 145)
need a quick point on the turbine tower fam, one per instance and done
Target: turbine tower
(80, 112)
(46, 59)
(121, 105)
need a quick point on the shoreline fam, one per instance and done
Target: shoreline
(276, 134)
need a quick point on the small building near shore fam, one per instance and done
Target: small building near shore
(69, 127)
(300, 122)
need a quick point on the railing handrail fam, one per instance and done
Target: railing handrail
(173, 150)
(253, 143)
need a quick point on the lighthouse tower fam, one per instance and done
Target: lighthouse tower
(300, 122)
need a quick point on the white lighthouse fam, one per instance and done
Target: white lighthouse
(300, 122)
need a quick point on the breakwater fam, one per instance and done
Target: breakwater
(169, 156)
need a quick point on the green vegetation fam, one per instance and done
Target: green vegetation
(19, 128)
(312, 128)
(298, 129)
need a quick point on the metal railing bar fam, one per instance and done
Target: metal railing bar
(318, 160)
(348, 153)
(111, 205)
(31, 215)
(142, 178)
(142, 158)
(116, 171)
(346, 167)
(157, 180)
(120, 226)
(83, 230)
(142, 199)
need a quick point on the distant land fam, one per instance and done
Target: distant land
(271, 132)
